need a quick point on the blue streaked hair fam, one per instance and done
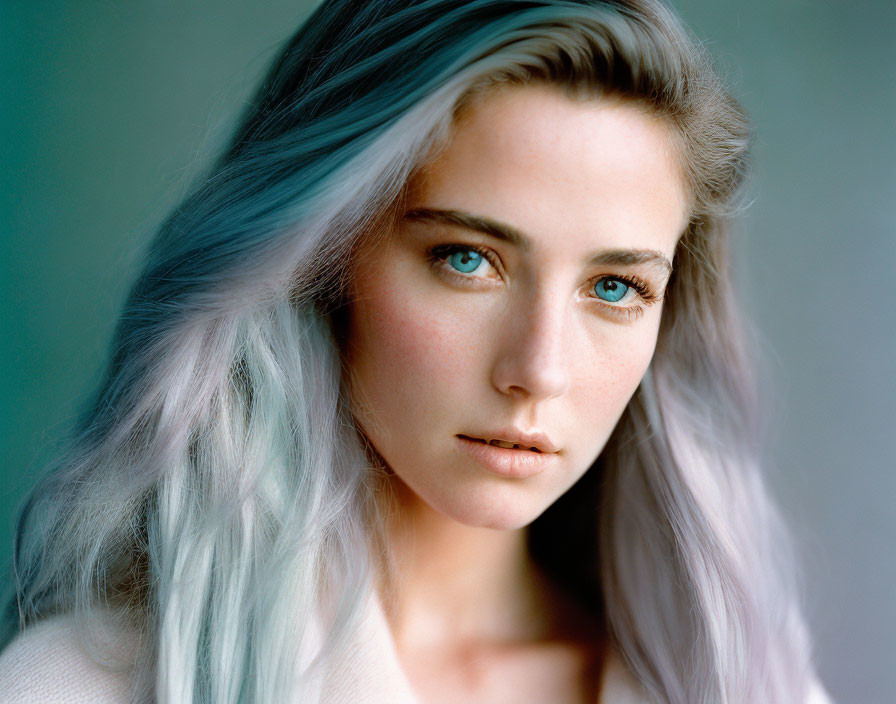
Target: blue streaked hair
(216, 490)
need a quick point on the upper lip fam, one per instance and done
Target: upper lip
(525, 438)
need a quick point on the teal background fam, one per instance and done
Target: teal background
(109, 109)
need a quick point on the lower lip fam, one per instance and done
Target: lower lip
(507, 462)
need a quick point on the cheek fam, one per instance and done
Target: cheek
(610, 372)
(408, 354)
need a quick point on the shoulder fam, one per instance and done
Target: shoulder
(49, 663)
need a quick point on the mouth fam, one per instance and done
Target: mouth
(511, 460)
(502, 443)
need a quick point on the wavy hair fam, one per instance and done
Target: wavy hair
(215, 487)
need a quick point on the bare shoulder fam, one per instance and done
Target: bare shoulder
(49, 663)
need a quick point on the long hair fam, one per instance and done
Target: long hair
(216, 489)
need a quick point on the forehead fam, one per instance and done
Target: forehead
(582, 171)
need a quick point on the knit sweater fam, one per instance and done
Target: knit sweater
(47, 664)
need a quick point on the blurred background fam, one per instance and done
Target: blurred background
(110, 109)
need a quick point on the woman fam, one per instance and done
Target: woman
(434, 390)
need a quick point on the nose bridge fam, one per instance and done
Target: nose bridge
(533, 356)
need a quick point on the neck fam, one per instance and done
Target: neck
(448, 582)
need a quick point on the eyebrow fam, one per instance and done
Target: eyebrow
(507, 233)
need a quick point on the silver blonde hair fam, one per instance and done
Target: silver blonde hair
(216, 489)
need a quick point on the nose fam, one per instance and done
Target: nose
(532, 361)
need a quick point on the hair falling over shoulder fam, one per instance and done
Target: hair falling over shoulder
(215, 489)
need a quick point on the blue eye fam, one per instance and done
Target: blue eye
(465, 261)
(611, 290)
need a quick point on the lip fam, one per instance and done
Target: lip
(508, 462)
(522, 438)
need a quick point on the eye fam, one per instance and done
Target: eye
(623, 296)
(613, 292)
(612, 289)
(463, 262)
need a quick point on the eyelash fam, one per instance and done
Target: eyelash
(438, 255)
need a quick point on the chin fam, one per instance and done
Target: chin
(495, 514)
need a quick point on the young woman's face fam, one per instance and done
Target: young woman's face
(521, 294)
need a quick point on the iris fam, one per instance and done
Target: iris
(610, 290)
(465, 261)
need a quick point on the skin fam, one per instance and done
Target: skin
(526, 341)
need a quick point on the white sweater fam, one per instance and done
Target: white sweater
(48, 665)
